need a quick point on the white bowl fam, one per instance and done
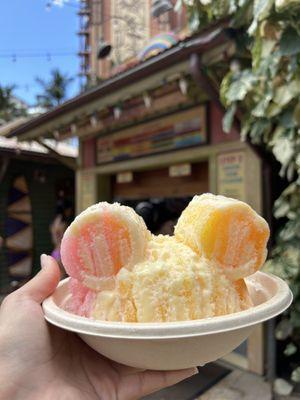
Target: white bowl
(173, 345)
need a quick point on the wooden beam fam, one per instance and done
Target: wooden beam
(203, 81)
(147, 83)
(67, 161)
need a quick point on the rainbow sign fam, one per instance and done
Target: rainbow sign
(157, 44)
(174, 132)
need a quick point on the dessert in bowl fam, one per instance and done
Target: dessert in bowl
(164, 302)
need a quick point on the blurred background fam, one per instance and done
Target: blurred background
(149, 102)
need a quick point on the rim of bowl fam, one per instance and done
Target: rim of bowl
(167, 330)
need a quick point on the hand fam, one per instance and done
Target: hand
(40, 361)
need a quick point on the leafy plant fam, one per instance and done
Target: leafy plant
(10, 107)
(55, 90)
(265, 86)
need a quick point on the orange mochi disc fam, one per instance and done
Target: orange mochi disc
(227, 232)
(100, 241)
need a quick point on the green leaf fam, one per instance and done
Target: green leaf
(290, 172)
(296, 375)
(273, 63)
(285, 93)
(292, 255)
(282, 5)
(240, 87)
(298, 160)
(245, 130)
(289, 42)
(267, 47)
(228, 118)
(261, 10)
(284, 329)
(225, 84)
(220, 7)
(283, 150)
(290, 349)
(259, 128)
(232, 6)
(282, 210)
(194, 22)
(256, 51)
(273, 109)
(260, 109)
(282, 387)
(292, 188)
(292, 67)
(287, 118)
(178, 6)
(296, 114)
(243, 13)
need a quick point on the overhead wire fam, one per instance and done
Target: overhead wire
(48, 55)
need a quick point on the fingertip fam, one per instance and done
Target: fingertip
(44, 283)
(44, 258)
(49, 262)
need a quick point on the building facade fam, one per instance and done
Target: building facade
(125, 25)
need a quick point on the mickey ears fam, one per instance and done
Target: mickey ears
(101, 240)
(227, 232)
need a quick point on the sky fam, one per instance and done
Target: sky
(27, 28)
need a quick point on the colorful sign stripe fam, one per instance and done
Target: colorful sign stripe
(157, 44)
(177, 131)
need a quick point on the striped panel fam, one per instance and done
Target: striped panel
(18, 230)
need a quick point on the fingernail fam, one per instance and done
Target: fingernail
(43, 260)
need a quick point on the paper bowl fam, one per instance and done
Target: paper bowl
(173, 345)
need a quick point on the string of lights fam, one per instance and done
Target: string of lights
(34, 86)
(30, 50)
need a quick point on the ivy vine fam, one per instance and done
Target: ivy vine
(263, 82)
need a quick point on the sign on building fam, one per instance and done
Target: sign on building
(231, 175)
(173, 132)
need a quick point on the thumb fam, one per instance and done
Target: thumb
(44, 283)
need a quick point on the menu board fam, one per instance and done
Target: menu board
(176, 131)
(231, 175)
